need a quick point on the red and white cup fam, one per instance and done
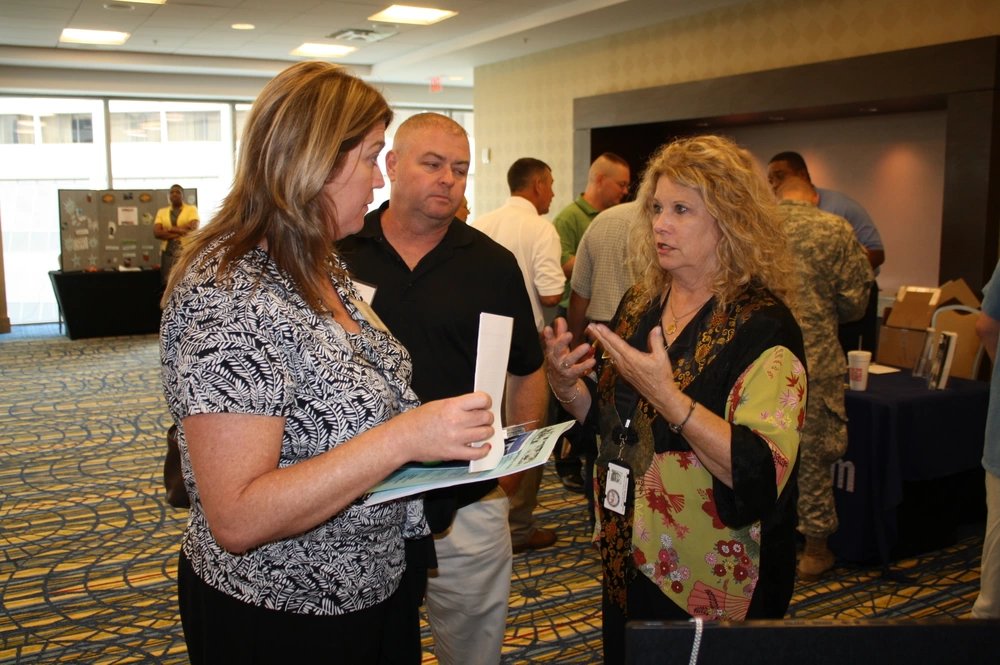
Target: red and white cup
(857, 369)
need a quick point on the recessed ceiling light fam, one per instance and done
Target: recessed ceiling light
(149, 2)
(102, 37)
(323, 50)
(411, 15)
(120, 6)
(242, 26)
(456, 78)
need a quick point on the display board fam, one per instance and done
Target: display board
(111, 229)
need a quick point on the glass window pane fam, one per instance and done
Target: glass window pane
(31, 175)
(135, 127)
(17, 128)
(196, 151)
(194, 126)
(67, 128)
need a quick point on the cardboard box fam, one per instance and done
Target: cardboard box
(915, 305)
(913, 308)
(900, 347)
(901, 339)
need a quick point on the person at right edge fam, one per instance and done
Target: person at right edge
(699, 399)
(987, 605)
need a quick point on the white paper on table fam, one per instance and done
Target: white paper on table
(492, 352)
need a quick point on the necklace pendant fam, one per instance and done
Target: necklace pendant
(672, 328)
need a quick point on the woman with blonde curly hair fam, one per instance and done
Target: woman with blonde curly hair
(699, 401)
(292, 399)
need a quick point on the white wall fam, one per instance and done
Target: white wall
(893, 165)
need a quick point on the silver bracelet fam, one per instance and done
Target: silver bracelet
(676, 429)
(559, 399)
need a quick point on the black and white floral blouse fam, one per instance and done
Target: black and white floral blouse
(252, 346)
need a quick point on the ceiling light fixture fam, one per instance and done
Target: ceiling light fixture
(100, 37)
(411, 15)
(242, 26)
(148, 2)
(310, 50)
(361, 35)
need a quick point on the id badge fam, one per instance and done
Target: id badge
(369, 314)
(616, 488)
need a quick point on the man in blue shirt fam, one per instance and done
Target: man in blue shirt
(862, 333)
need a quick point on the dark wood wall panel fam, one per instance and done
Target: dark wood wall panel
(969, 232)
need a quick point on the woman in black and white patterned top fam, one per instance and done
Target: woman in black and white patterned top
(293, 400)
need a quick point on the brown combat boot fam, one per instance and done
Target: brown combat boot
(816, 559)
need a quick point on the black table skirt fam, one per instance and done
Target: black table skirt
(106, 304)
(900, 432)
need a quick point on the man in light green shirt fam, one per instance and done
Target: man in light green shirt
(607, 184)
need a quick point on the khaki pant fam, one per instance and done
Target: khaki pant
(987, 605)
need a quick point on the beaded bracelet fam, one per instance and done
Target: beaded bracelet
(676, 429)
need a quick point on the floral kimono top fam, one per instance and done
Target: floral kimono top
(717, 552)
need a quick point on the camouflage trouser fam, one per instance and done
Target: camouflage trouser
(824, 441)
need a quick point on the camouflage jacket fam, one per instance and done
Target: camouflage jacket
(834, 280)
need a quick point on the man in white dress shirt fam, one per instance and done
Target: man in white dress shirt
(519, 226)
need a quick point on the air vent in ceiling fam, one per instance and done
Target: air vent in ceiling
(361, 35)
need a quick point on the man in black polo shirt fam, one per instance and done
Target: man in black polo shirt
(434, 275)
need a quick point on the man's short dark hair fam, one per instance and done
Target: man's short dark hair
(615, 158)
(793, 159)
(523, 171)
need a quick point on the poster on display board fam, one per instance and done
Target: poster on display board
(111, 229)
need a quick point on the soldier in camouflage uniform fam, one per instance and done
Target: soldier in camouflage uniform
(834, 281)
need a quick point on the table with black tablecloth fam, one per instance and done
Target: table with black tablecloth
(899, 433)
(108, 303)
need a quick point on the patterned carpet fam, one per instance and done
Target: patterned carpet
(89, 545)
